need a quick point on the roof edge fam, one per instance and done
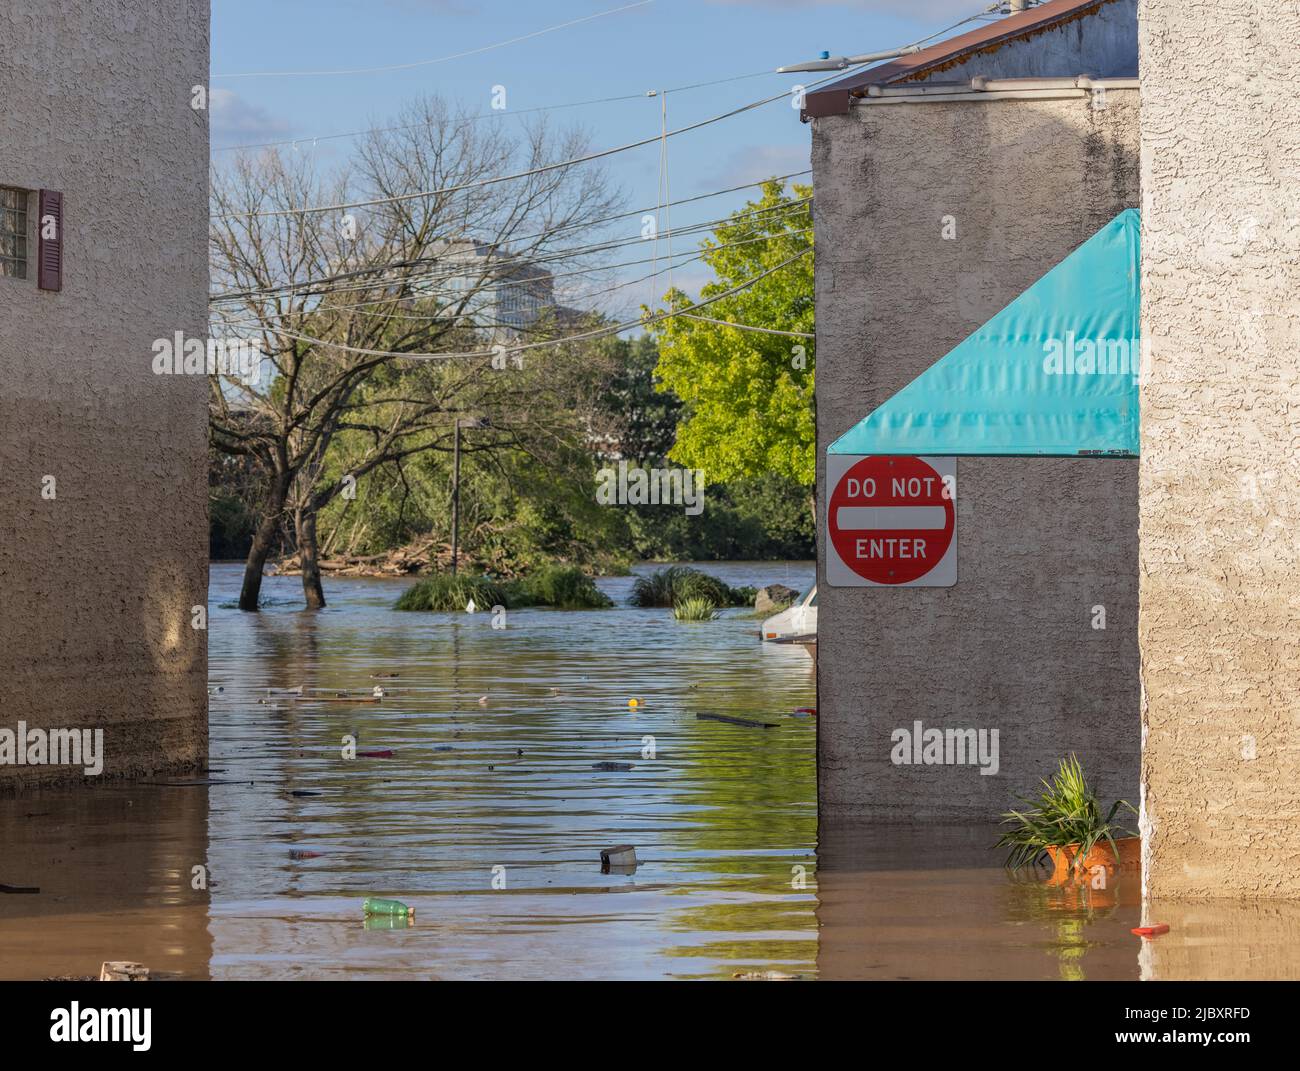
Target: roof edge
(836, 98)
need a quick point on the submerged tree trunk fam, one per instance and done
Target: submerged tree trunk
(263, 541)
(309, 559)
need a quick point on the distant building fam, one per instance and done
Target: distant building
(502, 293)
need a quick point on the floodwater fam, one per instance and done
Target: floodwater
(489, 819)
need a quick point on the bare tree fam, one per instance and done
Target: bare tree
(337, 299)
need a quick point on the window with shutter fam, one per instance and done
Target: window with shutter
(49, 241)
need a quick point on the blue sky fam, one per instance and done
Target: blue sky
(663, 43)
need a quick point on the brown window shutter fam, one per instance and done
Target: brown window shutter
(49, 273)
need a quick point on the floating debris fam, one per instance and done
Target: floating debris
(482, 700)
(611, 766)
(389, 922)
(383, 753)
(120, 970)
(1152, 931)
(302, 853)
(634, 703)
(738, 721)
(622, 855)
(384, 676)
(377, 905)
(304, 792)
(19, 889)
(766, 976)
(805, 712)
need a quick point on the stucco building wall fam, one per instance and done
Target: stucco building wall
(1220, 494)
(1041, 541)
(97, 583)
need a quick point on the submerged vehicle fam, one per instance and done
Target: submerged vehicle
(798, 621)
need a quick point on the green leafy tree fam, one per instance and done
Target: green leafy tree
(748, 395)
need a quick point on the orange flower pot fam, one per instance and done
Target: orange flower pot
(1067, 862)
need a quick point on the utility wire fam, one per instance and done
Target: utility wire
(747, 327)
(441, 59)
(689, 258)
(612, 329)
(494, 179)
(451, 272)
(499, 114)
(579, 225)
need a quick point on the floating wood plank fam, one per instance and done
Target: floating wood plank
(739, 721)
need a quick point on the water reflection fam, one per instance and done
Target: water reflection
(490, 816)
(115, 866)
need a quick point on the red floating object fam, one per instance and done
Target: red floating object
(806, 710)
(1152, 931)
(374, 754)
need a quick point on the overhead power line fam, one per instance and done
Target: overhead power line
(747, 327)
(612, 329)
(681, 259)
(499, 114)
(440, 59)
(371, 274)
(494, 179)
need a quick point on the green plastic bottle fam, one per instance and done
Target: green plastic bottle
(388, 922)
(375, 905)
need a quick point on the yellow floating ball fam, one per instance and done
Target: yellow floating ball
(634, 703)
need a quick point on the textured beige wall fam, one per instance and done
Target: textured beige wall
(1041, 541)
(1220, 502)
(96, 585)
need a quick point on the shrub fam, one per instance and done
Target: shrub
(563, 586)
(677, 583)
(445, 592)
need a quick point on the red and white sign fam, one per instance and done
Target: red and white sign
(892, 521)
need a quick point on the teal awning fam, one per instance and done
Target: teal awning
(1053, 374)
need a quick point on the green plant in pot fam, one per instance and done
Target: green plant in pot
(1068, 824)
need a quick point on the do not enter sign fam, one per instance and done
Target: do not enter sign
(892, 521)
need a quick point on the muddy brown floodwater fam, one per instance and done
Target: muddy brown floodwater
(490, 816)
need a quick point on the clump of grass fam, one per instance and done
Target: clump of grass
(678, 583)
(695, 609)
(1067, 812)
(444, 592)
(561, 586)
(565, 587)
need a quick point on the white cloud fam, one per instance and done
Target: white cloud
(235, 121)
